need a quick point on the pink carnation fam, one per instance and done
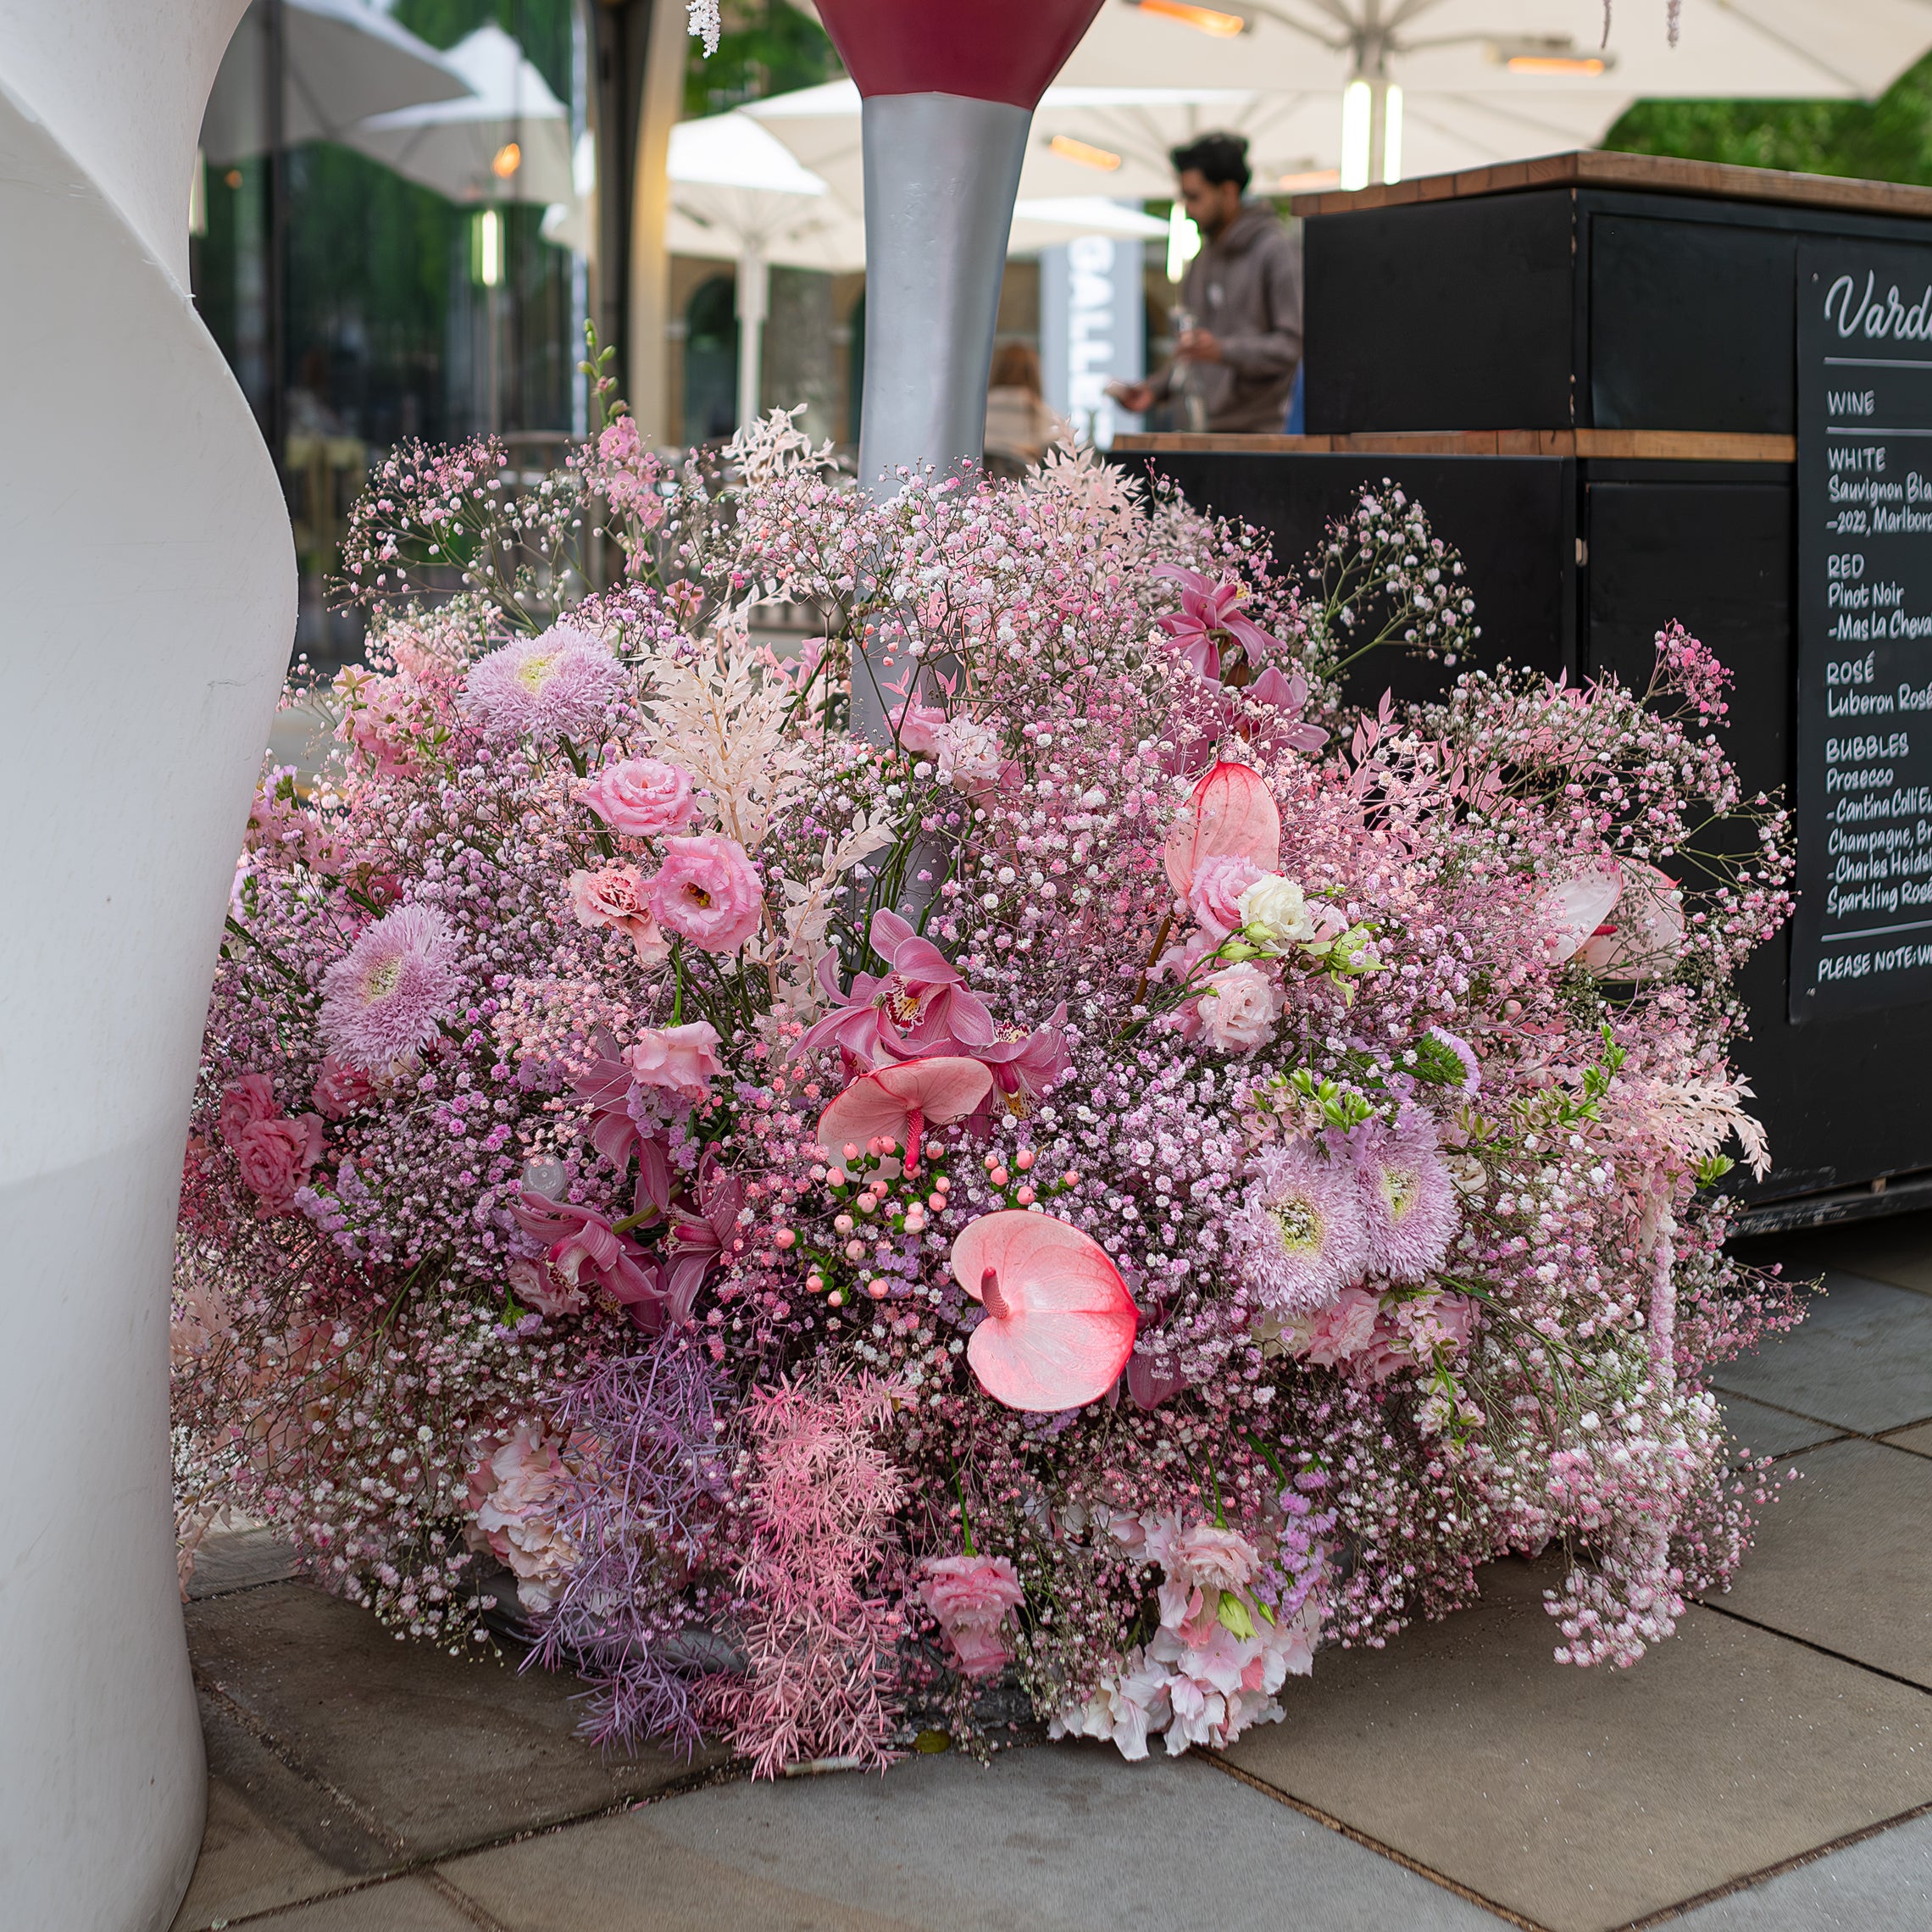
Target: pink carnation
(706, 892)
(275, 1156)
(387, 997)
(558, 684)
(682, 1060)
(970, 1597)
(339, 1090)
(249, 1100)
(613, 896)
(642, 798)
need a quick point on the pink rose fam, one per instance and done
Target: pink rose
(643, 799)
(249, 1100)
(613, 896)
(538, 1286)
(970, 1597)
(339, 1090)
(680, 1059)
(275, 1156)
(706, 892)
(1238, 1006)
(1214, 894)
(1344, 1328)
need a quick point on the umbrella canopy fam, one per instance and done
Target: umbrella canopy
(342, 61)
(507, 139)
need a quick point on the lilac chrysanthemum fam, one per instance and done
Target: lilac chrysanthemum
(385, 997)
(1409, 1197)
(1472, 1070)
(1301, 1231)
(546, 686)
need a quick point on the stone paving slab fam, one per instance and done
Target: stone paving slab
(1763, 1431)
(239, 1559)
(405, 1905)
(1583, 1799)
(441, 1752)
(1882, 1883)
(1861, 1359)
(1844, 1558)
(1918, 1439)
(1062, 1838)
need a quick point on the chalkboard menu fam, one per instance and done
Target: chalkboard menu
(1863, 938)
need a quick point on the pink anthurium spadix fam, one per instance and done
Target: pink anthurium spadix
(1232, 813)
(902, 1102)
(1060, 1324)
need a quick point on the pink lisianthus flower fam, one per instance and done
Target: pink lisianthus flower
(386, 997)
(613, 896)
(681, 1060)
(706, 892)
(275, 1156)
(339, 1090)
(1122, 1713)
(538, 1286)
(642, 798)
(970, 1597)
(1238, 1007)
(518, 1489)
(1214, 893)
(559, 684)
(249, 1100)
(1335, 1334)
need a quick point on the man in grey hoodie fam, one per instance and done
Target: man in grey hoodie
(1243, 292)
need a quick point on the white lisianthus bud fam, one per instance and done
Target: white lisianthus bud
(1274, 913)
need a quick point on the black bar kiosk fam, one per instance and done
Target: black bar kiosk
(1631, 389)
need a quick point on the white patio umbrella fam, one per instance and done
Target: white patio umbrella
(1485, 80)
(738, 194)
(341, 62)
(507, 139)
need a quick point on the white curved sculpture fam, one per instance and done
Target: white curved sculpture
(150, 596)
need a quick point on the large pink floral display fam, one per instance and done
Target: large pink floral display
(1145, 1176)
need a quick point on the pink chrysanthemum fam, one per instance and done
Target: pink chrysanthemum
(1409, 1197)
(1301, 1231)
(1472, 1070)
(546, 686)
(383, 998)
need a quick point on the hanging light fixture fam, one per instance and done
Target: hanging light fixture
(1202, 19)
(1357, 105)
(1084, 151)
(505, 162)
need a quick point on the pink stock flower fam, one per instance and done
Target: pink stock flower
(249, 1100)
(518, 1490)
(642, 798)
(901, 1101)
(613, 896)
(275, 1156)
(557, 685)
(1302, 1233)
(1214, 893)
(386, 997)
(1231, 813)
(921, 1006)
(1238, 1007)
(1060, 1324)
(970, 1597)
(339, 1090)
(681, 1060)
(706, 892)
(1409, 1201)
(1210, 621)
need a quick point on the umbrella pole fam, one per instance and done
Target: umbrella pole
(754, 301)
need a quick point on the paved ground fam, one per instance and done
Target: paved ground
(1768, 1771)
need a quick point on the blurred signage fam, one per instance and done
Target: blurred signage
(1092, 332)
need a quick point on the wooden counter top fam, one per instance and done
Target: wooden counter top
(1656, 446)
(1656, 173)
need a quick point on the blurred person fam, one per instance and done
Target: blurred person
(1020, 424)
(1240, 299)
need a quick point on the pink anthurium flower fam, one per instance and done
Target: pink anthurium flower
(1232, 812)
(1643, 939)
(1060, 1324)
(902, 1102)
(1578, 902)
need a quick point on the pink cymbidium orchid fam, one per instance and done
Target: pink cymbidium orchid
(1232, 813)
(1210, 621)
(1024, 1068)
(1060, 1324)
(920, 1006)
(584, 1250)
(700, 1236)
(900, 1103)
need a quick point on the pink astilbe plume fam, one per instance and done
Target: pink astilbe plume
(385, 997)
(822, 1677)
